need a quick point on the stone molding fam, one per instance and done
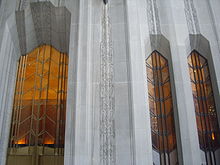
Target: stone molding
(107, 95)
(153, 17)
(43, 23)
(21, 31)
(202, 45)
(159, 43)
(199, 43)
(191, 17)
(23, 4)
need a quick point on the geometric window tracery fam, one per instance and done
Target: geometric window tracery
(38, 119)
(161, 110)
(205, 108)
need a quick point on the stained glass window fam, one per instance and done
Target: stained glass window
(205, 109)
(161, 110)
(38, 119)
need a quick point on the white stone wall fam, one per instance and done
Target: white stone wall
(8, 67)
(131, 44)
(174, 28)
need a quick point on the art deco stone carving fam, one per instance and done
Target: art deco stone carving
(22, 4)
(107, 99)
(191, 17)
(42, 20)
(52, 24)
(47, 25)
(153, 17)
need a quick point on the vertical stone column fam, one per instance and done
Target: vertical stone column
(8, 65)
(174, 27)
(7, 7)
(153, 17)
(71, 110)
(197, 26)
(107, 95)
(209, 16)
(79, 111)
(159, 43)
(213, 9)
(137, 33)
(9, 53)
(191, 17)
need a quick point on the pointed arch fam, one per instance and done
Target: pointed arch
(39, 109)
(161, 109)
(205, 107)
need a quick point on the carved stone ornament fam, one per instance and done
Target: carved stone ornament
(48, 25)
(107, 99)
(153, 17)
(22, 4)
(191, 17)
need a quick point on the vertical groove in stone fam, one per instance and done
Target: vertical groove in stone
(191, 17)
(153, 17)
(20, 22)
(22, 4)
(107, 99)
(214, 25)
(61, 3)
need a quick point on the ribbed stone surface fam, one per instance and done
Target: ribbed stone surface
(131, 45)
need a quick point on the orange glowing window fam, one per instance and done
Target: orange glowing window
(40, 99)
(161, 109)
(205, 109)
(21, 141)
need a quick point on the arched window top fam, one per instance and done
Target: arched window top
(156, 57)
(199, 59)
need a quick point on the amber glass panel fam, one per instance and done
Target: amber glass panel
(38, 120)
(206, 116)
(161, 109)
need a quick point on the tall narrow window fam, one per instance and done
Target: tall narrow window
(38, 120)
(205, 109)
(161, 111)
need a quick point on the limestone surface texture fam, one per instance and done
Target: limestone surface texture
(76, 27)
